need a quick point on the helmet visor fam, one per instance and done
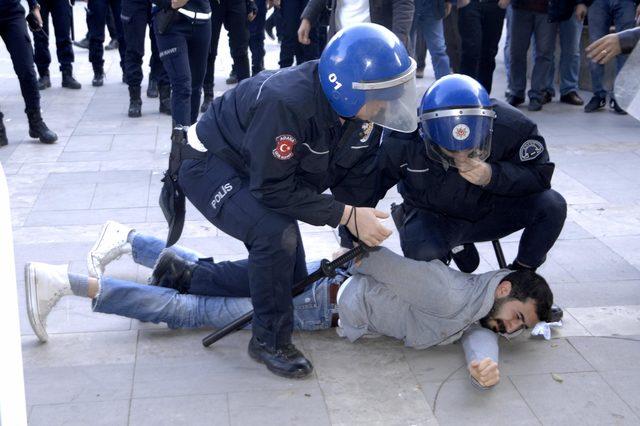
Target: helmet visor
(392, 104)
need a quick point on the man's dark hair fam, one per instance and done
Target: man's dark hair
(526, 284)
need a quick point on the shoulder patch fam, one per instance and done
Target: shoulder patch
(284, 147)
(531, 149)
(366, 131)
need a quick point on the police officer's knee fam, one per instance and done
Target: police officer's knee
(552, 204)
(290, 239)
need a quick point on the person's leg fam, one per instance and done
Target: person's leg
(134, 26)
(172, 46)
(545, 35)
(541, 215)
(116, 9)
(434, 36)
(42, 56)
(61, 16)
(235, 21)
(289, 25)
(306, 52)
(492, 23)
(198, 45)
(521, 29)
(469, 24)
(623, 18)
(256, 38)
(506, 52)
(452, 39)
(420, 47)
(425, 236)
(599, 22)
(570, 33)
(217, 12)
(96, 16)
(276, 255)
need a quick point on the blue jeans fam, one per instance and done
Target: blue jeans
(523, 24)
(602, 14)
(312, 309)
(507, 43)
(570, 32)
(433, 32)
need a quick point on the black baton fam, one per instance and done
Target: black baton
(327, 269)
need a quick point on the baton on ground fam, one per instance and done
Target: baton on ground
(327, 269)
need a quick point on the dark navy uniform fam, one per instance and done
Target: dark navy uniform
(135, 17)
(60, 11)
(274, 146)
(256, 37)
(13, 30)
(291, 49)
(96, 19)
(443, 210)
(183, 48)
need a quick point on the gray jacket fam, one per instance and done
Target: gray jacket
(396, 15)
(422, 303)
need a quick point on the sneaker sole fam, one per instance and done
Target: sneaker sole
(33, 312)
(298, 374)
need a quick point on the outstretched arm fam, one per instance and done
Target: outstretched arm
(481, 352)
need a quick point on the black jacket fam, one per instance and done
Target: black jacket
(519, 162)
(396, 15)
(279, 131)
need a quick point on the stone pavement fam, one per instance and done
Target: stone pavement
(101, 369)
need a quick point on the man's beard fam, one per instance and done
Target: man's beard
(498, 326)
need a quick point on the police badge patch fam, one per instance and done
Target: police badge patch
(284, 147)
(366, 131)
(531, 149)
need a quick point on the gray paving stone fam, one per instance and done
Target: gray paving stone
(288, 407)
(89, 383)
(609, 320)
(581, 398)
(606, 354)
(627, 246)
(127, 143)
(180, 410)
(72, 178)
(93, 143)
(596, 293)
(85, 217)
(108, 413)
(77, 197)
(121, 195)
(626, 383)
(458, 402)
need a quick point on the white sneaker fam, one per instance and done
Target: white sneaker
(111, 244)
(44, 285)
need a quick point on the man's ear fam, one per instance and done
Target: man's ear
(503, 289)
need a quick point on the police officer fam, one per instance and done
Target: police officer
(233, 14)
(476, 171)
(274, 144)
(13, 30)
(256, 37)
(183, 33)
(135, 17)
(60, 11)
(96, 20)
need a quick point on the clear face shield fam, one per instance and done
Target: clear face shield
(458, 137)
(391, 103)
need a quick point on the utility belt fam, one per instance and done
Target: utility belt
(172, 199)
(164, 18)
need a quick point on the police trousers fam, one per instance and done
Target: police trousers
(426, 235)
(183, 48)
(135, 17)
(60, 12)
(276, 254)
(97, 11)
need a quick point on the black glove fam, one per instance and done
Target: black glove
(252, 8)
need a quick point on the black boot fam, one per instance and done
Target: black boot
(98, 78)
(44, 82)
(286, 361)
(164, 93)
(135, 102)
(466, 257)
(38, 129)
(152, 88)
(206, 101)
(69, 82)
(172, 271)
(3, 132)
(257, 67)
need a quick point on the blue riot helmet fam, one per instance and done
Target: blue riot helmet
(456, 116)
(366, 69)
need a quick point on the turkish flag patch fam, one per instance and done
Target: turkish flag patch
(284, 147)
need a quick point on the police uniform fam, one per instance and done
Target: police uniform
(291, 48)
(13, 30)
(256, 37)
(183, 49)
(135, 17)
(443, 210)
(96, 19)
(60, 11)
(274, 146)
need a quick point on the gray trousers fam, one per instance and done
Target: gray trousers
(523, 24)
